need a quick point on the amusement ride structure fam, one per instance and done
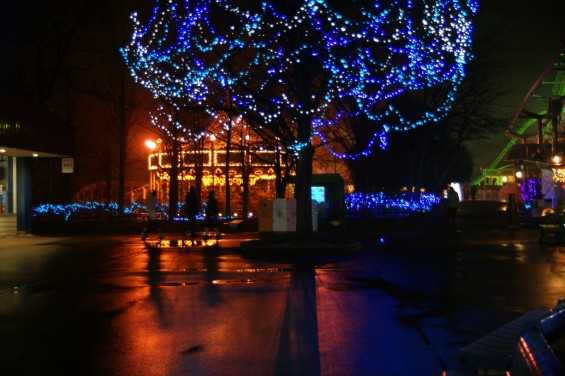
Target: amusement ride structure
(531, 165)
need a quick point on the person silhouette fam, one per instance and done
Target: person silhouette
(452, 203)
(212, 212)
(191, 210)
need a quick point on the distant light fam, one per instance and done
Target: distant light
(457, 187)
(557, 159)
(2, 150)
(150, 144)
(519, 174)
(505, 179)
(35, 155)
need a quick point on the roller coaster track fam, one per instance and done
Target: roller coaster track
(516, 131)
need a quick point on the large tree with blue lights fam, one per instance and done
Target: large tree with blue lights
(287, 65)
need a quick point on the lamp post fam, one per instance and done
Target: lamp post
(556, 177)
(154, 150)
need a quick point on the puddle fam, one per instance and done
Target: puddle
(243, 281)
(176, 284)
(180, 243)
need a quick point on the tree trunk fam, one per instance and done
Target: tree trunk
(198, 169)
(174, 180)
(302, 192)
(122, 175)
(279, 183)
(245, 170)
(227, 170)
(122, 147)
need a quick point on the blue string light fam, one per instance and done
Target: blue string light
(89, 208)
(355, 204)
(188, 51)
(360, 203)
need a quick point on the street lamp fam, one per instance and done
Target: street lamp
(150, 145)
(557, 178)
(519, 175)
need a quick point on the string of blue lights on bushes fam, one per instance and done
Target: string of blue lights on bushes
(356, 204)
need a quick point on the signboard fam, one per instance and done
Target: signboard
(68, 165)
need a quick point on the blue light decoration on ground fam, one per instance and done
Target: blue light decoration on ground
(531, 189)
(89, 208)
(374, 204)
(377, 204)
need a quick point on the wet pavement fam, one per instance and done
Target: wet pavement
(107, 305)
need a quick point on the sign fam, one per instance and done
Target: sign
(68, 165)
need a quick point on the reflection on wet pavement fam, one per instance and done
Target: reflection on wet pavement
(172, 308)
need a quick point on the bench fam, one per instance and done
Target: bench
(552, 234)
(552, 229)
(532, 344)
(235, 223)
(493, 352)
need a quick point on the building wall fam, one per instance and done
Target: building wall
(8, 224)
(23, 194)
(8, 216)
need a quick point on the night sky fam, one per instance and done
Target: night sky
(529, 34)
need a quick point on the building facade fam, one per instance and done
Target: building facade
(255, 169)
(28, 131)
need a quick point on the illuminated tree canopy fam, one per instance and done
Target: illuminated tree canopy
(290, 62)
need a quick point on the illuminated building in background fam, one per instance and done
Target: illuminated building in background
(206, 161)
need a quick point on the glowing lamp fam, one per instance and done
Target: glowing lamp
(150, 145)
(519, 174)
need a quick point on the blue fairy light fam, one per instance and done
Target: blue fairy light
(188, 51)
(355, 204)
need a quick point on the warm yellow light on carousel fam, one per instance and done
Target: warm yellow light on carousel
(557, 159)
(505, 179)
(212, 138)
(558, 174)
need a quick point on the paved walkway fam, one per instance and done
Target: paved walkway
(103, 304)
